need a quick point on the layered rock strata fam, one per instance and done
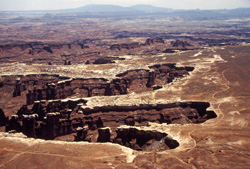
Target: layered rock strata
(38, 47)
(128, 46)
(41, 121)
(49, 87)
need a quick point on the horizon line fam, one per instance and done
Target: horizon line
(60, 9)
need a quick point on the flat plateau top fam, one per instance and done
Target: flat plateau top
(221, 77)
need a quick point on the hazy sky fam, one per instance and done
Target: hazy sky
(177, 4)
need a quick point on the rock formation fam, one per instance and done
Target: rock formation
(180, 44)
(103, 61)
(144, 139)
(23, 111)
(128, 46)
(52, 126)
(151, 41)
(125, 46)
(51, 116)
(3, 119)
(65, 117)
(29, 123)
(88, 88)
(81, 133)
(51, 87)
(169, 51)
(14, 124)
(177, 113)
(104, 134)
(38, 47)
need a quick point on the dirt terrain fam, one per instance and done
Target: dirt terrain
(122, 101)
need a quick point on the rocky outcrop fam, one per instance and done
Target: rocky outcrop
(29, 124)
(1, 84)
(51, 119)
(60, 90)
(48, 49)
(151, 79)
(23, 111)
(3, 119)
(174, 113)
(169, 51)
(33, 81)
(38, 47)
(125, 46)
(104, 134)
(103, 61)
(116, 87)
(81, 133)
(152, 41)
(180, 44)
(67, 62)
(51, 126)
(14, 124)
(40, 108)
(65, 107)
(48, 87)
(144, 140)
(43, 121)
(21, 46)
(128, 46)
(143, 80)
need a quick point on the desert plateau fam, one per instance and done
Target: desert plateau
(114, 87)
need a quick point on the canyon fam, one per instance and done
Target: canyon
(121, 90)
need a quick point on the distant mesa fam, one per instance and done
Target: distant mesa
(149, 41)
(125, 46)
(116, 8)
(38, 47)
(179, 45)
(103, 61)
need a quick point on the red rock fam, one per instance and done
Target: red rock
(104, 134)
(3, 119)
(125, 46)
(144, 139)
